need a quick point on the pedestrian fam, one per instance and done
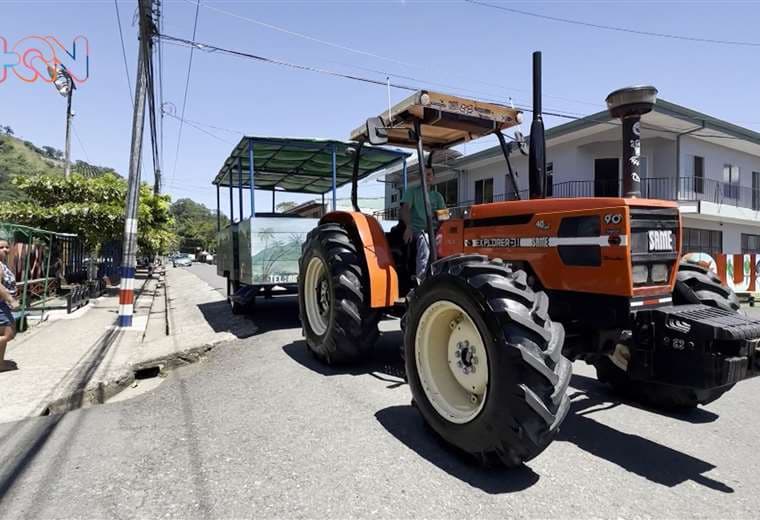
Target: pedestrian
(7, 304)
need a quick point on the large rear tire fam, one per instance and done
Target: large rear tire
(333, 296)
(694, 284)
(484, 361)
(698, 284)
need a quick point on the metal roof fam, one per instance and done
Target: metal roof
(300, 164)
(445, 120)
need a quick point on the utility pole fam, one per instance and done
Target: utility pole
(67, 167)
(65, 86)
(129, 260)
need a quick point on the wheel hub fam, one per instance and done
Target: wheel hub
(323, 296)
(452, 361)
(466, 357)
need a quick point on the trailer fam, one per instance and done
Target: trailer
(257, 252)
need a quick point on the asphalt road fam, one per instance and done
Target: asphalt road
(260, 429)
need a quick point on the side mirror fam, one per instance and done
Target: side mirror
(521, 142)
(377, 134)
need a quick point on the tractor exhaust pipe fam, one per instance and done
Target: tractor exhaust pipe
(629, 104)
(537, 154)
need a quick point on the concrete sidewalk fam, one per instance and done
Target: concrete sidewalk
(84, 359)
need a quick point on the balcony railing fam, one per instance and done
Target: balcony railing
(667, 188)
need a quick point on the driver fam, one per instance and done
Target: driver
(413, 215)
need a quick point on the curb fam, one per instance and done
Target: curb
(98, 392)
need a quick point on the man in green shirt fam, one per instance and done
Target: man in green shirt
(413, 215)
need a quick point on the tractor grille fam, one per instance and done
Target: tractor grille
(655, 241)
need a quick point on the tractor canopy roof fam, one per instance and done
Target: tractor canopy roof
(445, 120)
(299, 164)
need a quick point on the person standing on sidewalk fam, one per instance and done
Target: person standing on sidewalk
(7, 304)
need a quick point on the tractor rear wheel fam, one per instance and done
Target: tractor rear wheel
(694, 284)
(484, 361)
(333, 296)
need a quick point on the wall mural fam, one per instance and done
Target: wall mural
(740, 272)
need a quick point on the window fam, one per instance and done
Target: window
(394, 196)
(449, 191)
(756, 191)
(699, 174)
(731, 180)
(549, 179)
(702, 241)
(750, 243)
(483, 191)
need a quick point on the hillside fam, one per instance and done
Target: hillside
(24, 158)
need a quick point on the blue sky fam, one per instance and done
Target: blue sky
(471, 49)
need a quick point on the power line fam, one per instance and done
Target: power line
(361, 52)
(123, 50)
(255, 57)
(161, 80)
(187, 87)
(613, 27)
(197, 127)
(81, 144)
(209, 47)
(153, 16)
(220, 128)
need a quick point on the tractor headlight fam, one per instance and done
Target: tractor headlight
(640, 274)
(660, 273)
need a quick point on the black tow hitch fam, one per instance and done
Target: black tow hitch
(695, 346)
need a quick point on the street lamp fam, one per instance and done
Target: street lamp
(65, 86)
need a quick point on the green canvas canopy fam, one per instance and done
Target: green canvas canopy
(299, 165)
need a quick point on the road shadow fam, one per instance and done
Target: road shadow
(384, 363)
(406, 424)
(219, 316)
(602, 391)
(35, 434)
(646, 458)
(276, 313)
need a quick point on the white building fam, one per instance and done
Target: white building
(711, 167)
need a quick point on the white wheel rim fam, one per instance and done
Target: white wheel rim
(452, 362)
(317, 295)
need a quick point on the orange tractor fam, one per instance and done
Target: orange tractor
(515, 290)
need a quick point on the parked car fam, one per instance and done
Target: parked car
(182, 261)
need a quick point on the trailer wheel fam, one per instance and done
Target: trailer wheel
(484, 360)
(694, 284)
(333, 294)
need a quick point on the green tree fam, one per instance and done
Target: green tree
(196, 224)
(93, 208)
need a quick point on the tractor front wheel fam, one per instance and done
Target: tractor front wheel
(484, 360)
(333, 295)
